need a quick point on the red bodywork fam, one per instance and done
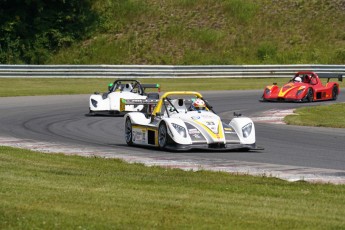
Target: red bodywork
(309, 89)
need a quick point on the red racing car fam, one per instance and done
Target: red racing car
(305, 86)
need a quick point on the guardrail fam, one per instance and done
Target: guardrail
(160, 71)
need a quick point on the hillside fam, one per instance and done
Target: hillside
(187, 32)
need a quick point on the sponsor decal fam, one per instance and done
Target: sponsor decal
(139, 136)
(209, 123)
(136, 136)
(207, 116)
(143, 134)
(196, 136)
(229, 130)
(195, 117)
(213, 131)
(193, 131)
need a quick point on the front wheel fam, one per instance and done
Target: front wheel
(162, 135)
(263, 98)
(335, 91)
(128, 131)
(310, 95)
(91, 113)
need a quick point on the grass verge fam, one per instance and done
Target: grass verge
(44, 86)
(50, 86)
(54, 191)
(321, 116)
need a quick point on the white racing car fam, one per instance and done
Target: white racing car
(183, 121)
(109, 102)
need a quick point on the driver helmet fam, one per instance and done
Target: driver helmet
(110, 86)
(198, 105)
(298, 79)
(128, 87)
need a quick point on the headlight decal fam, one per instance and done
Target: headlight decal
(247, 129)
(94, 103)
(267, 91)
(180, 129)
(300, 90)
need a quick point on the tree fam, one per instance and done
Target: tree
(33, 29)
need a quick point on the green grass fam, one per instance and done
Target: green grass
(180, 32)
(36, 86)
(321, 116)
(49, 86)
(54, 191)
(228, 32)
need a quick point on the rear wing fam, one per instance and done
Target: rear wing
(150, 85)
(331, 75)
(149, 102)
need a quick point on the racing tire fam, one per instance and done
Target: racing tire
(335, 92)
(128, 132)
(91, 113)
(162, 135)
(310, 95)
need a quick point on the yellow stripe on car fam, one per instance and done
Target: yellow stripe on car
(219, 135)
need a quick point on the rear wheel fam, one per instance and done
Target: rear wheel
(310, 95)
(128, 131)
(335, 91)
(91, 112)
(263, 98)
(162, 135)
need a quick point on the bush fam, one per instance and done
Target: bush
(32, 30)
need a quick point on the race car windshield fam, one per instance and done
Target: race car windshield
(180, 105)
(120, 85)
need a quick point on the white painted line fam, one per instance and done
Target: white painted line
(273, 116)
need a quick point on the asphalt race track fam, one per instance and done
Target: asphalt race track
(59, 124)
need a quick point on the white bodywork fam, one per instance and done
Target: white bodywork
(121, 89)
(207, 124)
(193, 129)
(111, 102)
